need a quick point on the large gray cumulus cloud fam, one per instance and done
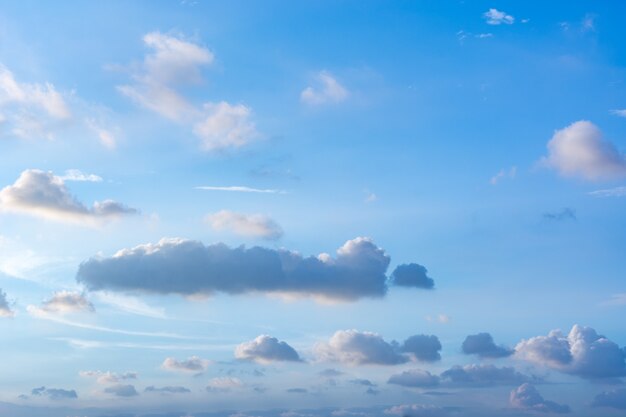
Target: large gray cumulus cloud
(188, 267)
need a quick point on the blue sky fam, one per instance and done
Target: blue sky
(302, 209)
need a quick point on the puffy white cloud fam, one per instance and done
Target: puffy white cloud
(415, 378)
(54, 393)
(352, 347)
(105, 378)
(527, 397)
(5, 308)
(63, 302)
(225, 126)
(266, 349)
(250, 225)
(121, 390)
(45, 195)
(481, 376)
(582, 352)
(418, 410)
(412, 275)
(497, 17)
(612, 399)
(579, 150)
(193, 364)
(223, 384)
(482, 344)
(328, 90)
(357, 271)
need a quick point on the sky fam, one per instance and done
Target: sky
(312, 208)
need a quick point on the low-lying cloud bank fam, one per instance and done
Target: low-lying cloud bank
(188, 267)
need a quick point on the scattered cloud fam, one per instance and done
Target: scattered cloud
(240, 189)
(193, 364)
(167, 390)
(527, 397)
(612, 399)
(248, 225)
(412, 275)
(414, 378)
(297, 390)
(616, 300)
(579, 150)
(619, 112)
(106, 135)
(5, 308)
(327, 90)
(42, 194)
(565, 214)
(610, 192)
(482, 344)
(503, 174)
(582, 352)
(496, 17)
(121, 390)
(223, 384)
(483, 375)
(106, 378)
(418, 410)
(78, 175)
(63, 302)
(54, 393)
(225, 126)
(441, 318)
(266, 349)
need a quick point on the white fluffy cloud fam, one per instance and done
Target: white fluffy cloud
(78, 175)
(266, 349)
(5, 308)
(193, 364)
(249, 225)
(327, 90)
(497, 17)
(42, 194)
(63, 302)
(224, 125)
(582, 352)
(106, 378)
(579, 150)
(527, 397)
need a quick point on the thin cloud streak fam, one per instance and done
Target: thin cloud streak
(240, 189)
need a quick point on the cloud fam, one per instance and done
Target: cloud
(329, 373)
(78, 175)
(225, 126)
(63, 302)
(132, 305)
(106, 136)
(223, 384)
(352, 347)
(482, 344)
(481, 376)
(192, 364)
(619, 112)
(496, 17)
(297, 390)
(328, 90)
(565, 214)
(357, 271)
(611, 192)
(582, 352)
(417, 410)
(362, 382)
(54, 393)
(412, 275)
(240, 189)
(253, 225)
(502, 175)
(168, 390)
(414, 378)
(5, 308)
(612, 399)
(105, 378)
(527, 397)
(580, 151)
(42, 194)
(121, 390)
(266, 349)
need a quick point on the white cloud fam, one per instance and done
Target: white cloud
(266, 349)
(105, 135)
(417, 410)
(619, 112)
(193, 364)
(105, 378)
(5, 308)
(63, 302)
(497, 17)
(45, 195)
(254, 225)
(240, 189)
(610, 192)
(225, 126)
(328, 90)
(527, 397)
(580, 151)
(223, 384)
(502, 175)
(582, 352)
(77, 175)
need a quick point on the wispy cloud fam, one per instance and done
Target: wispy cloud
(326, 90)
(240, 189)
(619, 112)
(610, 192)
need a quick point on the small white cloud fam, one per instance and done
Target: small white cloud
(619, 112)
(610, 192)
(77, 175)
(240, 189)
(496, 17)
(105, 135)
(63, 302)
(579, 150)
(192, 364)
(253, 225)
(503, 174)
(105, 378)
(328, 90)
(223, 384)
(266, 349)
(225, 126)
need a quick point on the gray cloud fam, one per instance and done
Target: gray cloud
(266, 349)
(5, 308)
(482, 376)
(363, 382)
(527, 397)
(415, 378)
(582, 352)
(412, 275)
(482, 344)
(612, 399)
(168, 390)
(357, 271)
(45, 195)
(121, 390)
(192, 364)
(329, 373)
(54, 393)
(565, 214)
(297, 391)
(358, 348)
